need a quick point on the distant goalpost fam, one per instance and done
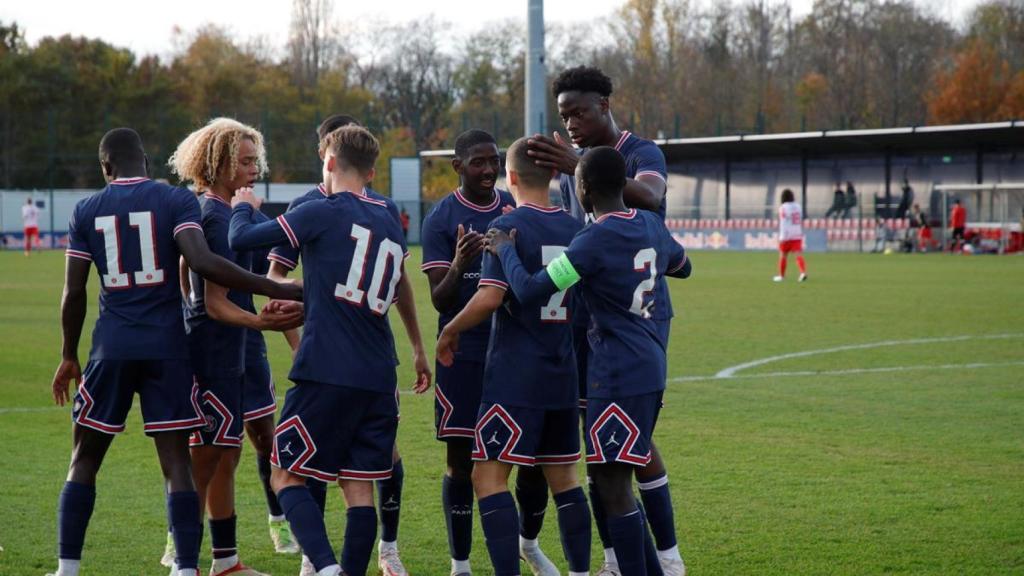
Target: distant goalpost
(993, 209)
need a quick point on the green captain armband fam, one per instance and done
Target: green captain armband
(562, 272)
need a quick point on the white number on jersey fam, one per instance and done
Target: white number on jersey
(115, 278)
(644, 260)
(555, 310)
(388, 254)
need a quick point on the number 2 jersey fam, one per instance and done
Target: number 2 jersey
(127, 230)
(790, 222)
(530, 358)
(352, 251)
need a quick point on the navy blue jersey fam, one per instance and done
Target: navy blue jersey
(288, 256)
(128, 230)
(530, 358)
(643, 157)
(218, 349)
(439, 238)
(617, 261)
(353, 252)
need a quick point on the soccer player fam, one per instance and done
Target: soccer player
(583, 97)
(339, 420)
(132, 230)
(617, 260)
(30, 223)
(452, 242)
(220, 158)
(791, 236)
(958, 223)
(528, 415)
(284, 259)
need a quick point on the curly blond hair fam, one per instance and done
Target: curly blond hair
(203, 153)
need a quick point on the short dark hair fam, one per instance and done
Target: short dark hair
(333, 122)
(471, 138)
(582, 79)
(121, 146)
(787, 195)
(518, 159)
(354, 147)
(603, 171)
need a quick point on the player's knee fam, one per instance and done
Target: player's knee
(460, 462)
(261, 434)
(615, 487)
(561, 478)
(488, 480)
(357, 492)
(281, 479)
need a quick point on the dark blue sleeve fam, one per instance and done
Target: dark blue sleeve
(491, 273)
(285, 254)
(679, 265)
(530, 289)
(438, 245)
(651, 162)
(78, 243)
(215, 228)
(245, 234)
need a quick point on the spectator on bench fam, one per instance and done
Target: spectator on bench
(838, 203)
(851, 200)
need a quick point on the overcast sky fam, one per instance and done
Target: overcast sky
(146, 26)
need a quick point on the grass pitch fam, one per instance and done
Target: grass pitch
(900, 458)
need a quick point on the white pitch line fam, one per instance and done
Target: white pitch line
(849, 371)
(732, 370)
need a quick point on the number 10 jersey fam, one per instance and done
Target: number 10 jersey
(127, 230)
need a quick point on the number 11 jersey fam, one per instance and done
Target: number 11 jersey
(127, 230)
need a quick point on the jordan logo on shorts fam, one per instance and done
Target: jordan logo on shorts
(611, 440)
(287, 449)
(494, 439)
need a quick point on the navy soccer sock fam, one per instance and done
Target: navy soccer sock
(318, 490)
(73, 512)
(600, 518)
(627, 534)
(187, 529)
(457, 500)
(263, 466)
(532, 498)
(389, 501)
(360, 534)
(574, 528)
(223, 537)
(500, 523)
(658, 508)
(650, 552)
(307, 522)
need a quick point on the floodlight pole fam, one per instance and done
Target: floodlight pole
(535, 115)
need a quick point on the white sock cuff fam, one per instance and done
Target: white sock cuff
(670, 554)
(272, 518)
(609, 556)
(528, 543)
(656, 483)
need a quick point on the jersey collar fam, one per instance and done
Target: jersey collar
(212, 196)
(128, 181)
(627, 215)
(322, 190)
(462, 199)
(622, 139)
(547, 210)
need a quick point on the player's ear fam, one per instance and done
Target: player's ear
(513, 177)
(457, 164)
(145, 160)
(108, 170)
(330, 162)
(603, 104)
(369, 175)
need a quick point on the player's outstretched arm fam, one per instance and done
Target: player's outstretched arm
(484, 302)
(407, 311)
(529, 288)
(644, 192)
(192, 245)
(223, 310)
(72, 317)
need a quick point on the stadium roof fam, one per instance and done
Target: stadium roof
(896, 140)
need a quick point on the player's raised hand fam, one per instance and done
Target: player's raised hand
(497, 238)
(246, 196)
(468, 246)
(553, 153)
(423, 372)
(67, 371)
(447, 346)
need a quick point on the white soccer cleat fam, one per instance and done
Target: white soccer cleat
(608, 569)
(803, 278)
(673, 567)
(389, 563)
(307, 567)
(169, 552)
(778, 279)
(539, 564)
(238, 570)
(281, 535)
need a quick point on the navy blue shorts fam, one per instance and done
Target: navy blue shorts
(167, 392)
(258, 397)
(221, 402)
(620, 430)
(336, 433)
(527, 436)
(457, 398)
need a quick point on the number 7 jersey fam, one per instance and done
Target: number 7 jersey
(352, 252)
(127, 230)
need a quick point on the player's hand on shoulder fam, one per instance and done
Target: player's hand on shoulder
(67, 371)
(554, 153)
(507, 208)
(447, 346)
(423, 373)
(497, 238)
(468, 246)
(281, 315)
(246, 196)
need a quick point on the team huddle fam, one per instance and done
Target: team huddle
(550, 319)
